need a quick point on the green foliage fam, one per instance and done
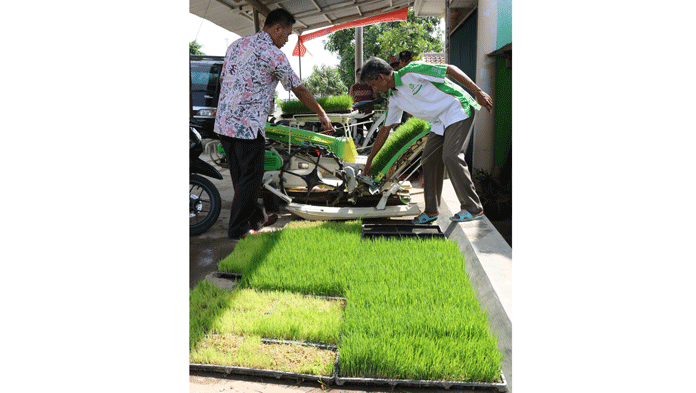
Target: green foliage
(396, 141)
(411, 36)
(385, 40)
(325, 81)
(195, 48)
(330, 104)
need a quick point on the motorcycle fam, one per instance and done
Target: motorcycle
(204, 198)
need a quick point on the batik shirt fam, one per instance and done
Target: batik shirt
(423, 91)
(250, 73)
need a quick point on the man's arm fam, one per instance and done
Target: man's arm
(379, 142)
(306, 97)
(481, 96)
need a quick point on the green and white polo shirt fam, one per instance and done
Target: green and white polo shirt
(423, 91)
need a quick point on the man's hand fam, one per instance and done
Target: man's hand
(306, 97)
(325, 122)
(382, 136)
(481, 96)
(485, 100)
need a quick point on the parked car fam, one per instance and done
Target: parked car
(205, 92)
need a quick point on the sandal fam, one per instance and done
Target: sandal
(424, 218)
(462, 217)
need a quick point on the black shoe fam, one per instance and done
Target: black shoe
(271, 220)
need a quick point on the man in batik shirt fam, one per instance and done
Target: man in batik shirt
(251, 71)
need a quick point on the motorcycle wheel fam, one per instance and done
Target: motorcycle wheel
(204, 204)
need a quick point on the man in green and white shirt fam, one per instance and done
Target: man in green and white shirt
(422, 90)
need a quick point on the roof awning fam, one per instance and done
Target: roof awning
(237, 16)
(300, 49)
(504, 51)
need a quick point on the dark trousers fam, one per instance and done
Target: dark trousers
(447, 152)
(245, 157)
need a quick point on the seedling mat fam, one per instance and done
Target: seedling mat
(412, 230)
(335, 379)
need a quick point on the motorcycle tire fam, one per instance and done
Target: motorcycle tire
(204, 204)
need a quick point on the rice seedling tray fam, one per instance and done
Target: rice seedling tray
(417, 383)
(423, 231)
(340, 381)
(257, 372)
(413, 383)
(342, 102)
(309, 112)
(228, 276)
(285, 375)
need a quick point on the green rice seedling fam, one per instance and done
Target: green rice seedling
(281, 315)
(330, 104)
(413, 314)
(278, 315)
(206, 303)
(410, 313)
(250, 252)
(297, 262)
(249, 351)
(396, 141)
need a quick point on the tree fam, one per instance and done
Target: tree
(195, 48)
(385, 40)
(325, 81)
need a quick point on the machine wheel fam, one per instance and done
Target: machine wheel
(311, 156)
(204, 204)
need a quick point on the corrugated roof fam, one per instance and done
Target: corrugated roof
(237, 16)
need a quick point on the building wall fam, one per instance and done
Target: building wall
(503, 114)
(504, 23)
(485, 78)
(463, 55)
(503, 83)
(493, 29)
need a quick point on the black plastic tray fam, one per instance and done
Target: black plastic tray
(422, 231)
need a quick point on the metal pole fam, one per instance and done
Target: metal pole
(256, 22)
(447, 31)
(299, 57)
(358, 48)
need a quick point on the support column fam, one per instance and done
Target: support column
(358, 48)
(447, 31)
(256, 22)
(485, 79)
(299, 58)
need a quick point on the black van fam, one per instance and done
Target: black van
(205, 92)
